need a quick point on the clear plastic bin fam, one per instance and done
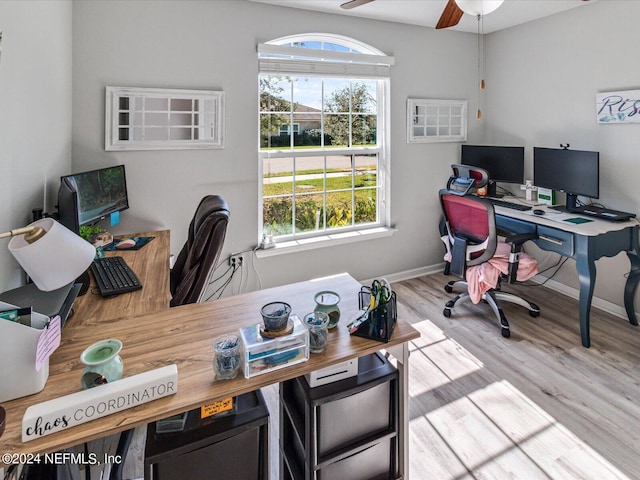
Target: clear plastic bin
(262, 354)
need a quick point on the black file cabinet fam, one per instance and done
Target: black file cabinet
(230, 447)
(346, 429)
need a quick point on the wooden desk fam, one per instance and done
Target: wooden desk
(585, 243)
(183, 335)
(151, 265)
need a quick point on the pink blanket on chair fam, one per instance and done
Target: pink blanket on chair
(483, 277)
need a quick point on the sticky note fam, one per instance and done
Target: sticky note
(114, 218)
(48, 342)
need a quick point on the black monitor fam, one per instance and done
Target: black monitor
(87, 197)
(503, 164)
(574, 172)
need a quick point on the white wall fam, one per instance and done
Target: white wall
(212, 45)
(35, 113)
(542, 79)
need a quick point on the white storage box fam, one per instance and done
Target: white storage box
(263, 354)
(18, 344)
(333, 373)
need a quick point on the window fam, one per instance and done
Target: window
(285, 128)
(323, 146)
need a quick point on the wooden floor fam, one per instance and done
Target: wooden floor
(536, 405)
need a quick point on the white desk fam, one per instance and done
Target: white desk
(585, 243)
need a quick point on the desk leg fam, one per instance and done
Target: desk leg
(587, 276)
(401, 354)
(631, 285)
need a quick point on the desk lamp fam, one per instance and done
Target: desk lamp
(51, 254)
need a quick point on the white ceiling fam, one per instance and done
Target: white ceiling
(427, 12)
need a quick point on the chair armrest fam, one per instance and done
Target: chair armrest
(516, 241)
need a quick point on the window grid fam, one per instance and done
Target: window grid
(294, 195)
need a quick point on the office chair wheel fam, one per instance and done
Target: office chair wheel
(535, 312)
(448, 288)
(504, 325)
(447, 312)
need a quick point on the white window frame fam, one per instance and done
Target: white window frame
(430, 120)
(169, 121)
(363, 62)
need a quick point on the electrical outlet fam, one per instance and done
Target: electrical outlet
(236, 261)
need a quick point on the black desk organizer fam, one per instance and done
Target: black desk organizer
(234, 446)
(381, 320)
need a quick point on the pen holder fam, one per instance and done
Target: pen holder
(380, 321)
(228, 356)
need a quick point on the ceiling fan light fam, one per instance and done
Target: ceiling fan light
(478, 7)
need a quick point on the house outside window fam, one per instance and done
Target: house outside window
(331, 174)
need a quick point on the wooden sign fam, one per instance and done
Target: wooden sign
(81, 407)
(618, 107)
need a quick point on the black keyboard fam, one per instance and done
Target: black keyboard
(114, 276)
(503, 203)
(603, 213)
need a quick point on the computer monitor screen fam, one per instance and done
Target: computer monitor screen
(504, 164)
(574, 172)
(98, 193)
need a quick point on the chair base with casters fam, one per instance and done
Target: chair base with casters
(493, 299)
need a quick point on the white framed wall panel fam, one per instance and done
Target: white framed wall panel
(163, 119)
(431, 120)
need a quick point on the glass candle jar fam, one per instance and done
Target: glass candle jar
(327, 302)
(226, 362)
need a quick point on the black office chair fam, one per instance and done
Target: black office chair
(189, 278)
(195, 263)
(472, 240)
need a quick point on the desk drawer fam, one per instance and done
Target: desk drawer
(512, 226)
(555, 240)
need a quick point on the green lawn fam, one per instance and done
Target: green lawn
(315, 184)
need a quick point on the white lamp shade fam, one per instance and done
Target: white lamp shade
(56, 259)
(478, 7)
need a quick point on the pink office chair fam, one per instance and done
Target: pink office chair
(475, 252)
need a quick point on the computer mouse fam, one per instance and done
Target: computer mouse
(126, 244)
(537, 211)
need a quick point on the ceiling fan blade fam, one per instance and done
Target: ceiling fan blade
(354, 3)
(451, 15)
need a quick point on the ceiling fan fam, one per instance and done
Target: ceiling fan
(452, 12)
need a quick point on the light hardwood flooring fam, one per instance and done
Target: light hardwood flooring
(536, 405)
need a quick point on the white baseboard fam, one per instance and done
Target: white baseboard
(407, 274)
(597, 302)
(604, 305)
